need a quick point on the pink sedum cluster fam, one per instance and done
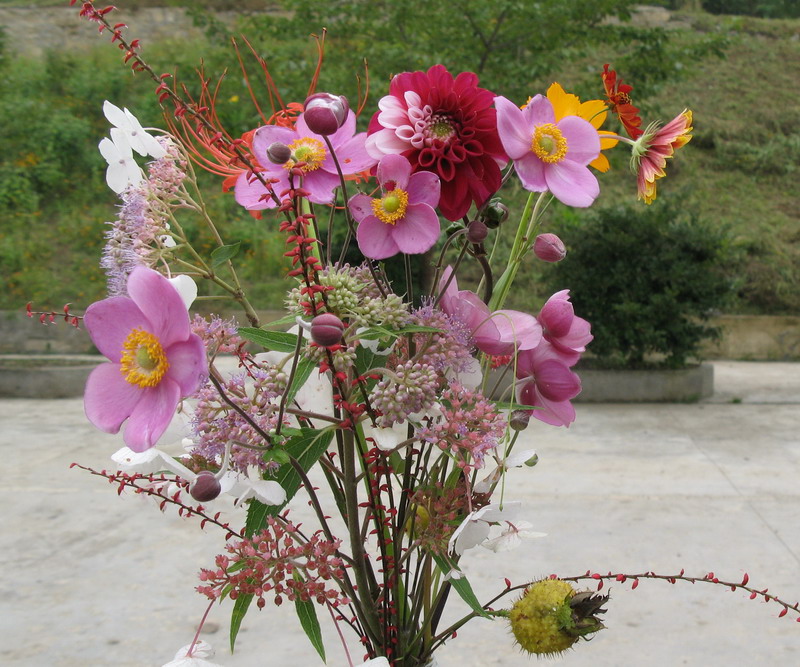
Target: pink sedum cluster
(154, 359)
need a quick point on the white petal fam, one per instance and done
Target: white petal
(168, 242)
(268, 492)
(375, 662)
(520, 458)
(115, 115)
(386, 439)
(202, 649)
(145, 463)
(186, 287)
(469, 534)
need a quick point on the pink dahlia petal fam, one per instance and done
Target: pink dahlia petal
(110, 321)
(530, 170)
(397, 169)
(583, 142)
(384, 142)
(424, 187)
(108, 398)
(418, 231)
(374, 239)
(572, 184)
(514, 131)
(152, 415)
(188, 365)
(161, 305)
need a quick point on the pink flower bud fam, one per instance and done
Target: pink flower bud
(325, 113)
(477, 232)
(279, 153)
(205, 487)
(326, 330)
(549, 248)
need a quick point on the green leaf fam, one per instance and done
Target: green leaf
(279, 341)
(306, 448)
(307, 614)
(462, 585)
(224, 253)
(286, 319)
(240, 607)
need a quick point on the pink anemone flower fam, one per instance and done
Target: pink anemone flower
(569, 335)
(403, 219)
(550, 155)
(155, 359)
(545, 381)
(320, 177)
(498, 333)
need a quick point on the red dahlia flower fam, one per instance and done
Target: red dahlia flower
(446, 126)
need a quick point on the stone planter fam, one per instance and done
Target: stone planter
(685, 385)
(45, 376)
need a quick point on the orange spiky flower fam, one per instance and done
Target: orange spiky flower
(619, 99)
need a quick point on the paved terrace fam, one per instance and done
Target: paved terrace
(92, 579)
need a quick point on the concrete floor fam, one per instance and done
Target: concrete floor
(90, 579)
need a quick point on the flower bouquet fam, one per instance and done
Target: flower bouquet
(405, 401)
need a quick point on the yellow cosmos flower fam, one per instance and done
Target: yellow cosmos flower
(593, 111)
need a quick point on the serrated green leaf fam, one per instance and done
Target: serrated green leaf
(279, 341)
(307, 614)
(462, 586)
(306, 448)
(224, 253)
(240, 607)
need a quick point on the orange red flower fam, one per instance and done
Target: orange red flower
(618, 96)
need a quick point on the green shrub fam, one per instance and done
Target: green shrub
(647, 279)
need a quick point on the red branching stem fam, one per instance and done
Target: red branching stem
(50, 317)
(156, 486)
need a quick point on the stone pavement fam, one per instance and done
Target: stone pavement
(90, 579)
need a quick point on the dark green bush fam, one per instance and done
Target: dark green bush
(647, 279)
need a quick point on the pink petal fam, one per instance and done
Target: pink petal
(252, 195)
(538, 112)
(447, 300)
(571, 183)
(352, 155)
(418, 231)
(556, 382)
(321, 184)
(530, 170)
(360, 206)
(267, 135)
(557, 315)
(394, 168)
(374, 239)
(110, 321)
(523, 331)
(385, 142)
(161, 305)
(109, 399)
(583, 142)
(556, 413)
(424, 187)
(151, 415)
(188, 365)
(514, 130)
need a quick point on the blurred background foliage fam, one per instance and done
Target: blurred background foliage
(738, 71)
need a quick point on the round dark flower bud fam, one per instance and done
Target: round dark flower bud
(549, 248)
(496, 212)
(326, 330)
(205, 487)
(520, 419)
(279, 153)
(325, 113)
(477, 232)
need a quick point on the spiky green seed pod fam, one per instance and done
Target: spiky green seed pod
(551, 616)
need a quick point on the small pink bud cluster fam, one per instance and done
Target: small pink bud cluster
(411, 388)
(268, 562)
(325, 113)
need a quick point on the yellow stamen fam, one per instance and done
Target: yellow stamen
(143, 360)
(307, 150)
(391, 207)
(548, 143)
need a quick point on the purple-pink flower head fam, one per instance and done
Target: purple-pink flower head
(550, 155)
(498, 333)
(320, 177)
(545, 381)
(569, 335)
(155, 359)
(403, 218)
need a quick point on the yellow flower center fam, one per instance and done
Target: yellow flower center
(548, 143)
(391, 207)
(143, 360)
(308, 150)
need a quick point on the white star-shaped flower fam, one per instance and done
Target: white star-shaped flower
(138, 139)
(200, 652)
(122, 168)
